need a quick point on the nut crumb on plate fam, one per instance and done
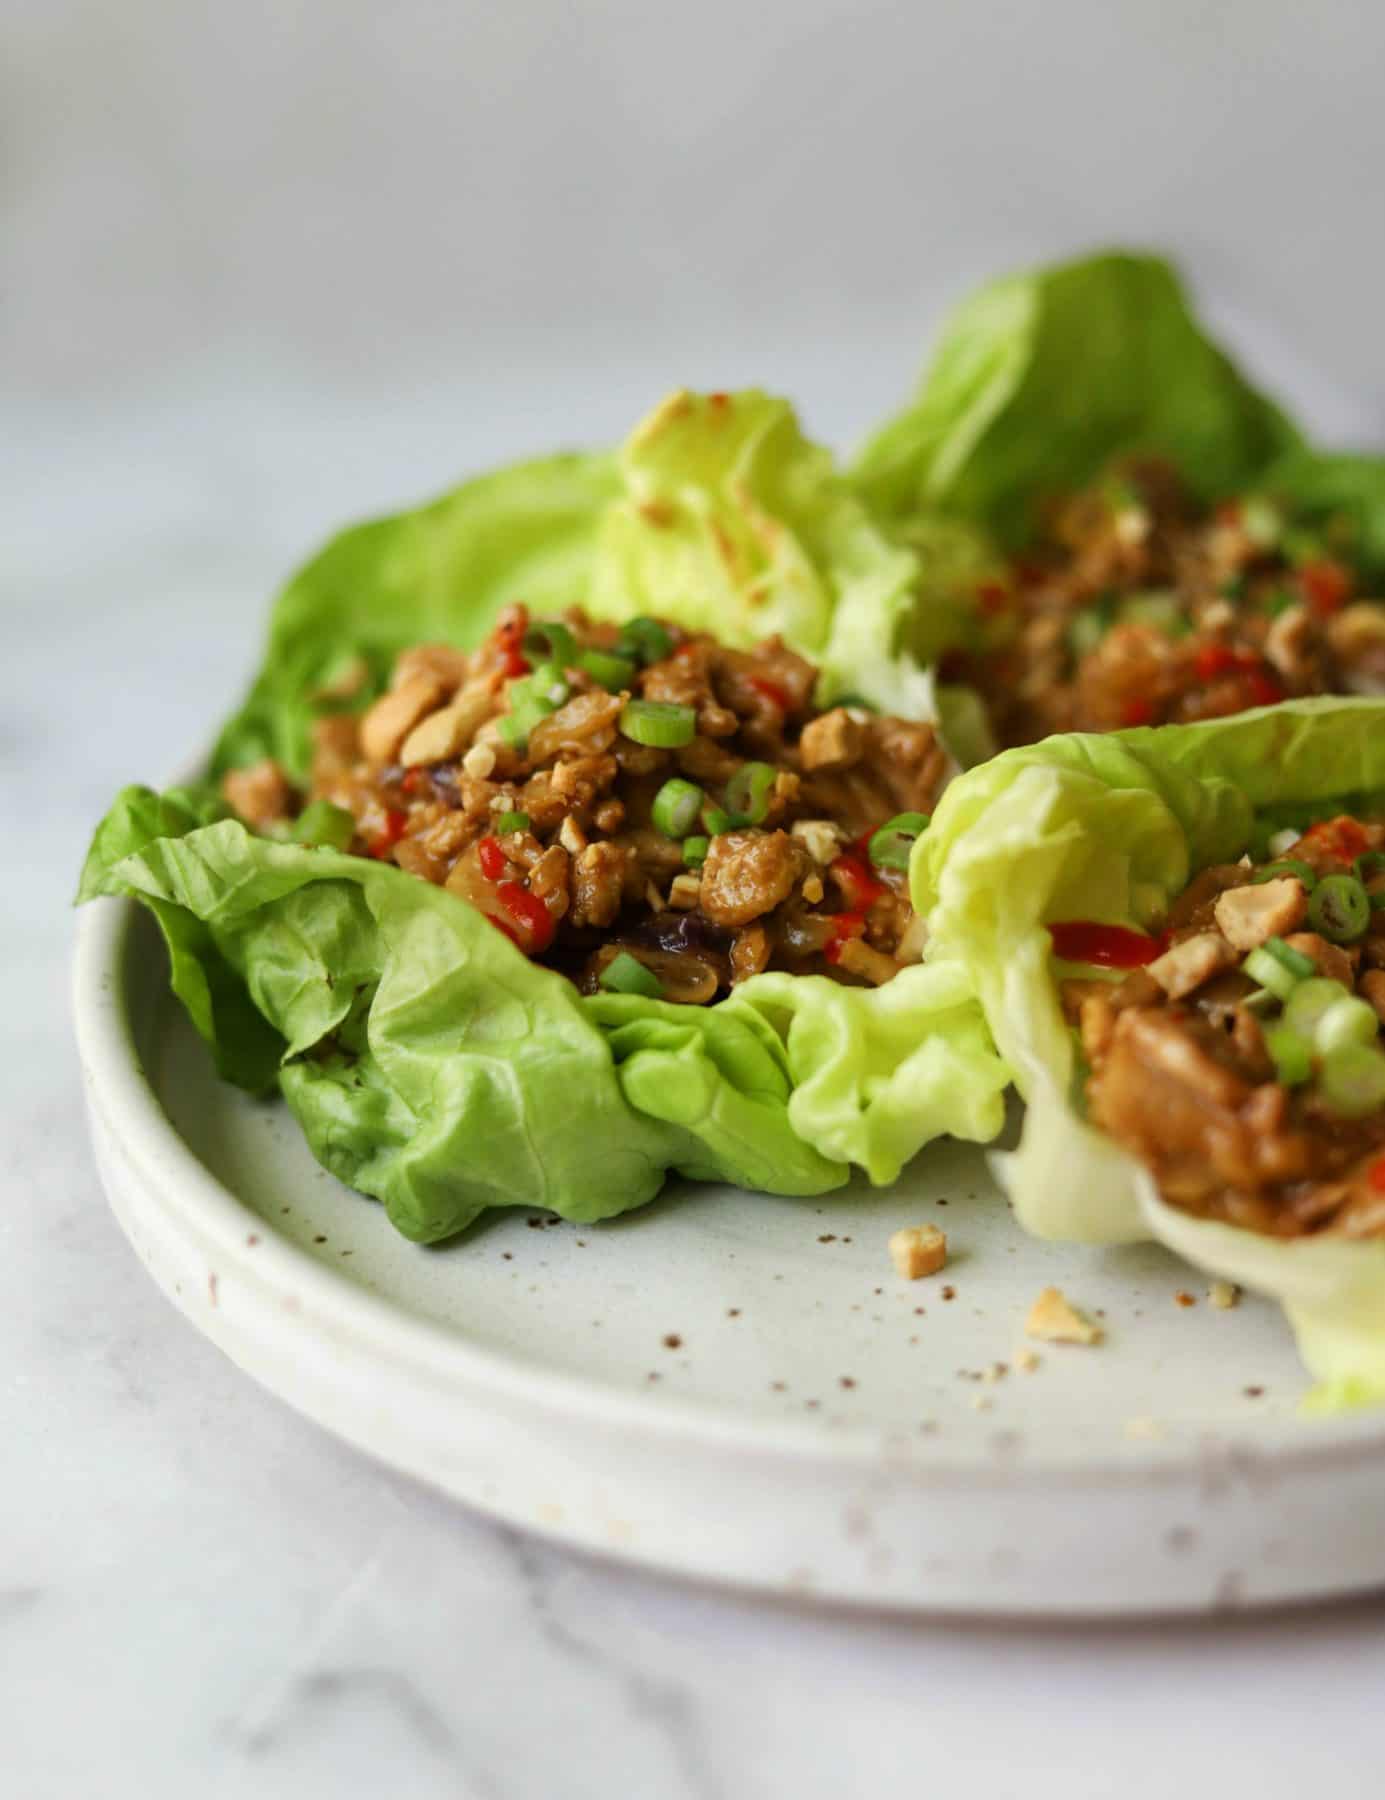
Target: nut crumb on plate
(917, 1250)
(1224, 1295)
(1025, 1360)
(1055, 1320)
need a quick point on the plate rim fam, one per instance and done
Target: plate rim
(119, 1089)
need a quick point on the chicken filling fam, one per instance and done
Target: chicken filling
(1243, 1063)
(640, 808)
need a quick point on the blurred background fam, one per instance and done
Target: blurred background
(271, 266)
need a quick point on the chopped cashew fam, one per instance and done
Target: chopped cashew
(479, 761)
(1187, 965)
(446, 732)
(832, 741)
(394, 715)
(820, 838)
(259, 794)
(1055, 1320)
(1223, 1295)
(684, 891)
(1247, 916)
(917, 1250)
(1025, 1360)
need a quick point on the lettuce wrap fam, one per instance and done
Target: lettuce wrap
(1112, 829)
(429, 1063)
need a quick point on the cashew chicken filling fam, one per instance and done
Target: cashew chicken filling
(1139, 606)
(638, 807)
(1243, 1062)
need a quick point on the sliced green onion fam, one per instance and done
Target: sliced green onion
(1161, 611)
(892, 846)
(1291, 1054)
(513, 731)
(1276, 967)
(626, 974)
(1340, 908)
(857, 700)
(676, 806)
(1300, 546)
(322, 823)
(717, 821)
(1286, 865)
(1279, 602)
(748, 791)
(645, 640)
(1085, 632)
(511, 821)
(659, 723)
(1352, 1082)
(695, 851)
(545, 683)
(1310, 1003)
(551, 640)
(1261, 521)
(613, 672)
(1350, 1021)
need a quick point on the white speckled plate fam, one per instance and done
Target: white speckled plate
(738, 1387)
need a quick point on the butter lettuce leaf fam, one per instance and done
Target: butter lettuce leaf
(1112, 829)
(731, 521)
(1040, 378)
(431, 1065)
(437, 573)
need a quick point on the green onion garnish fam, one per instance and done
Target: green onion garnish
(659, 723)
(695, 851)
(676, 806)
(1276, 967)
(612, 672)
(1310, 1003)
(1350, 1021)
(1340, 908)
(717, 821)
(856, 700)
(1353, 1081)
(511, 821)
(1287, 865)
(644, 640)
(1279, 602)
(748, 791)
(550, 640)
(1291, 1054)
(324, 824)
(1261, 521)
(626, 974)
(892, 846)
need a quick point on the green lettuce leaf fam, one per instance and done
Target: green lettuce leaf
(1112, 829)
(1319, 486)
(731, 521)
(432, 1065)
(1041, 378)
(437, 573)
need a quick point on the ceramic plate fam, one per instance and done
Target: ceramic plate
(738, 1387)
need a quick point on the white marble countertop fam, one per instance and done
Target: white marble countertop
(221, 252)
(201, 1593)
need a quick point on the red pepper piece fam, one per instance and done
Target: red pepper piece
(859, 887)
(1138, 711)
(771, 691)
(1326, 586)
(1214, 660)
(509, 640)
(1264, 688)
(530, 916)
(992, 597)
(1108, 946)
(492, 859)
(1376, 1175)
(388, 836)
(1340, 839)
(845, 926)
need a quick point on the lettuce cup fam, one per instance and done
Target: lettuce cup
(1116, 529)
(562, 841)
(1178, 938)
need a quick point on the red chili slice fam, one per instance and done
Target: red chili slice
(492, 859)
(1108, 946)
(845, 926)
(992, 597)
(1342, 839)
(1326, 586)
(530, 915)
(771, 691)
(1214, 660)
(1376, 1175)
(388, 836)
(1264, 689)
(859, 887)
(509, 640)
(1138, 712)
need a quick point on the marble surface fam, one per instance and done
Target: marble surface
(201, 1593)
(279, 267)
